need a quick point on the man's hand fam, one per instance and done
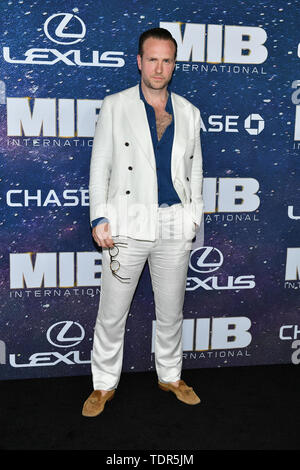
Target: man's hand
(102, 235)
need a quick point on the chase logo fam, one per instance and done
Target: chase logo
(254, 129)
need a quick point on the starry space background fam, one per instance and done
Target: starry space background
(250, 247)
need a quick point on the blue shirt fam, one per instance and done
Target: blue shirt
(163, 152)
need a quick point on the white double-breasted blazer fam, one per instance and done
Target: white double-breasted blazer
(123, 179)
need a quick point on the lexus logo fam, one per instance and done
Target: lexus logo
(206, 259)
(57, 25)
(65, 334)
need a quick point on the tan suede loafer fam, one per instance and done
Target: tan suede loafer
(95, 403)
(182, 392)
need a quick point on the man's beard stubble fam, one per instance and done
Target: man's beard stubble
(160, 86)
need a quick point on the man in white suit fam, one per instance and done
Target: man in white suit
(145, 205)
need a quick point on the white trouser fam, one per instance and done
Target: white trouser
(168, 258)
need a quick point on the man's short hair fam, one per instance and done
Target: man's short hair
(156, 33)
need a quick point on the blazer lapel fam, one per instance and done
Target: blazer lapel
(137, 119)
(180, 133)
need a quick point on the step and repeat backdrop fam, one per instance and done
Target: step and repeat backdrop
(239, 62)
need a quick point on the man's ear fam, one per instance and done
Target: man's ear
(139, 60)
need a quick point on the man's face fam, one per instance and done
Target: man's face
(157, 63)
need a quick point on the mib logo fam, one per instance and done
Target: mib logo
(296, 101)
(203, 334)
(292, 269)
(51, 117)
(231, 195)
(50, 270)
(2, 352)
(218, 44)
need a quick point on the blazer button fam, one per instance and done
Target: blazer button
(126, 143)
(127, 192)
(190, 199)
(130, 168)
(192, 156)
(187, 178)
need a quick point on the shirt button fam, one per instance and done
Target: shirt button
(187, 178)
(126, 143)
(192, 156)
(130, 168)
(127, 192)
